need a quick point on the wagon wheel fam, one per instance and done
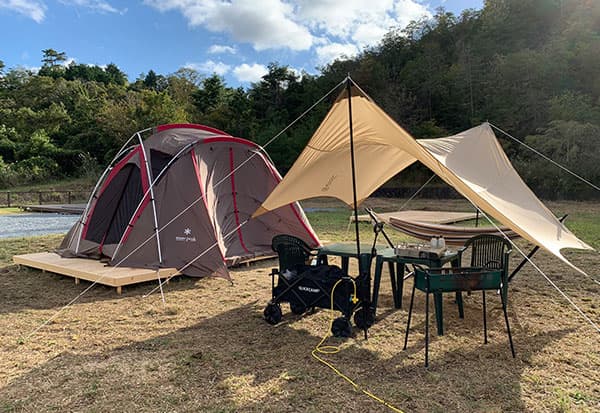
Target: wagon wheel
(341, 327)
(364, 319)
(297, 308)
(272, 313)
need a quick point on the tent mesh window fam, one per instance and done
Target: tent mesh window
(158, 160)
(116, 205)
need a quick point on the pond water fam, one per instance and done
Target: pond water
(32, 224)
(28, 225)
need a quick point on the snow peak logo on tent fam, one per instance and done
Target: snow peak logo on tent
(187, 236)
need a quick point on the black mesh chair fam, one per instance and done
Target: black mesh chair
(292, 251)
(491, 252)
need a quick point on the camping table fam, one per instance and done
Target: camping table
(397, 278)
(344, 250)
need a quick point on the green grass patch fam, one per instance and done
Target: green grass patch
(5, 211)
(16, 246)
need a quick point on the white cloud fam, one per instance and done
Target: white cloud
(69, 60)
(210, 67)
(328, 28)
(219, 48)
(362, 22)
(95, 5)
(368, 34)
(332, 51)
(407, 10)
(250, 73)
(33, 9)
(269, 24)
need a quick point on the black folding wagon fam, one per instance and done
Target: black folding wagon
(306, 287)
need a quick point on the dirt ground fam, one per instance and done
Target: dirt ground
(208, 348)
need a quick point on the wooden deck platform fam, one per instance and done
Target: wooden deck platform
(91, 270)
(75, 209)
(434, 217)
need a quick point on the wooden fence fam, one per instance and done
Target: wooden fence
(21, 198)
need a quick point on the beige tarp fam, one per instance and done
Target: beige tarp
(472, 162)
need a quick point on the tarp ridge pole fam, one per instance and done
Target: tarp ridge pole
(84, 217)
(160, 261)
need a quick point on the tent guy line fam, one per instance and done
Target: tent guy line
(538, 269)
(151, 189)
(270, 141)
(233, 231)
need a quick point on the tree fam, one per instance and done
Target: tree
(115, 75)
(52, 63)
(210, 95)
(53, 58)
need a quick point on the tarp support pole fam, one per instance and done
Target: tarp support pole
(531, 254)
(349, 89)
(361, 270)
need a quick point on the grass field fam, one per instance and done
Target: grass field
(208, 349)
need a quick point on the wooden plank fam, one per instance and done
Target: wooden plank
(434, 217)
(91, 270)
(247, 261)
(75, 209)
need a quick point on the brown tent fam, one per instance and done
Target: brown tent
(182, 199)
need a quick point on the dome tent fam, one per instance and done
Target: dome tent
(181, 199)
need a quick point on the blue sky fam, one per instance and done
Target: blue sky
(233, 38)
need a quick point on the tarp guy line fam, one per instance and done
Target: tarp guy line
(594, 325)
(546, 157)
(108, 272)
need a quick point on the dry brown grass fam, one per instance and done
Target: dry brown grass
(208, 349)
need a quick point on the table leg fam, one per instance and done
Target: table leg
(322, 260)
(377, 281)
(399, 283)
(439, 313)
(459, 301)
(394, 283)
(345, 264)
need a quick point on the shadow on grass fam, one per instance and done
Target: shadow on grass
(28, 288)
(234, 361)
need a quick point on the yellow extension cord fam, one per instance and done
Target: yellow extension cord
(320, 348)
